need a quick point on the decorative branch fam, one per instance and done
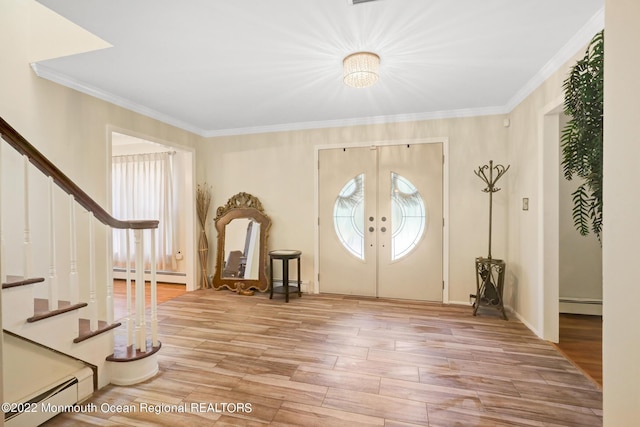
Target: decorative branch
(203, 201)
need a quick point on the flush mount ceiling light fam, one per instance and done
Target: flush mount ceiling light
(360, 69)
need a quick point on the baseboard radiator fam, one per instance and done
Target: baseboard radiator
(62, 397)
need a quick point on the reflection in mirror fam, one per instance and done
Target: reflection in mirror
(241, 249)
(242, 244)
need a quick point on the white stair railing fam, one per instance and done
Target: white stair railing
(136, 319)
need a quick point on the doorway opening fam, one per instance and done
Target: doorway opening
(571, 267)
(178, 254)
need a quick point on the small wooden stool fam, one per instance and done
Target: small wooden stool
(285, 255)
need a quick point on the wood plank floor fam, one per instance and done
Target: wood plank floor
(328, 360)
(581, 342)
(165, 291)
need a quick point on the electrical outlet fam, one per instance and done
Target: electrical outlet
(525, 203)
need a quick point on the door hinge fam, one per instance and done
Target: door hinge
(443, 284)
(318, 220)
(318, 277)
(443, 159)
(443, 221)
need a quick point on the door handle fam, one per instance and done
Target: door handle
(383, 229)
(371, 229)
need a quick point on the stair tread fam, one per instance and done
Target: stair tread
(85, 331)
(41, 309)
(124, 353)
(14, 281)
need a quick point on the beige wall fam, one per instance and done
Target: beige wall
(278, 168)
(535, 165)
(621, 340)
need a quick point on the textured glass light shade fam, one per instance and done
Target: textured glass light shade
(361, 69)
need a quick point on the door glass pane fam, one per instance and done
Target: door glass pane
(348, 216)
(408, 216)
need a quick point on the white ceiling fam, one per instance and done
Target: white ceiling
(221, 67)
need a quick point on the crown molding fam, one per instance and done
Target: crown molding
(47, 73)
(577, 42)
(362, 121)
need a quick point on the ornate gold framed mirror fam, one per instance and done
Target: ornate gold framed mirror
(241, 260)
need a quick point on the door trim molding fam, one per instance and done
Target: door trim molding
(445, 202)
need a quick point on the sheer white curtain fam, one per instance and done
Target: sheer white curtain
(142, 187)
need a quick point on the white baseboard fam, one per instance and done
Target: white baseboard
(177, 278)
(587, 306)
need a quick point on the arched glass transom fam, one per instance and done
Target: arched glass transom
(408, 216)
(348, 216)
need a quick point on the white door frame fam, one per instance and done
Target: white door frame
(445, 203)
(191, 271)
(549, 219)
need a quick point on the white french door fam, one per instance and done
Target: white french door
(380, 221)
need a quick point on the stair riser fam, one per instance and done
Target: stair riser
(135, 372)
(57, 332)
(93, 351)
(20, 300)
(63, 327)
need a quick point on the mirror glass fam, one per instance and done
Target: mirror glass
(242, 249)
(242, 229)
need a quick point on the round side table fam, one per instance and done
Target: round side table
(285, 255)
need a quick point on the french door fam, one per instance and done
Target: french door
(380, 221)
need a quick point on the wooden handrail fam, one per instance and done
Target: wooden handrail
(21, 145)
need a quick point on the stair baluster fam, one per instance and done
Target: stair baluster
(109, 296)
(28, 259)
(53, 277)
(141, 340)
(128, 285)
(154, 291)
(93, 307)
(74, 288)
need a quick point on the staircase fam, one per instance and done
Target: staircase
(51, 380)
(60, 341)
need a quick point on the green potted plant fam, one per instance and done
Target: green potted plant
(582, 136)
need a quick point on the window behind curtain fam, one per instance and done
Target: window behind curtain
(142, 187)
